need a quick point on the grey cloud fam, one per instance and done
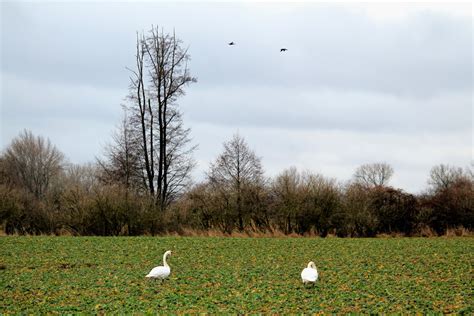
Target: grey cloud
(328, 109)
(78, 119)
(328, 45)
(45, 100)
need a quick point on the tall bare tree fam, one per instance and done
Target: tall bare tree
(158, 80)
(374, 174)
(32, 163)
(233, 172)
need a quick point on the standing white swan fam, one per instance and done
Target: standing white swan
(161, 272)
(309, 274)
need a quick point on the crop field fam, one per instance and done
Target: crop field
(235, 275)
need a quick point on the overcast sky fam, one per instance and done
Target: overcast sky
(358, 84)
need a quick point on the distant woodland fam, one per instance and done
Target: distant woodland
(142, 182)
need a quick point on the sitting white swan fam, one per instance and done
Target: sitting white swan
(309, 274)
(161, 272)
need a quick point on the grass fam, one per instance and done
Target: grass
(235, 275)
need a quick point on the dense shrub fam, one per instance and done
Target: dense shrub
(356, 216)
(450, 206)
(394, 210)
(22, 213)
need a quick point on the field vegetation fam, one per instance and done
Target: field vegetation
(235, 275)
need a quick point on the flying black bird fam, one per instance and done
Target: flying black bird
(231, 43)
(283, 50)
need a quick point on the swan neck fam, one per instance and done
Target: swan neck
(164, 260)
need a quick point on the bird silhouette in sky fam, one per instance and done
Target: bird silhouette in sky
(281, 49)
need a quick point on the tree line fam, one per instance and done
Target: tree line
(143, 184)
(40, 193)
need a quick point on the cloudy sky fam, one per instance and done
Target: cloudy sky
(358, 84)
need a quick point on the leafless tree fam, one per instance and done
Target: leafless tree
(32, 163)
(122, 162)
(286, 197)
(84, 176)
(235, 170)
(158, 79)
(374, 174)
(443, 176)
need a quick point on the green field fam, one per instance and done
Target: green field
(97, 274)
